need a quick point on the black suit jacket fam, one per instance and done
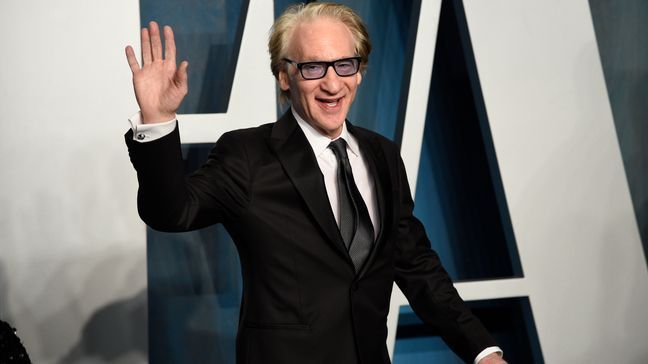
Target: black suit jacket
(302, 300)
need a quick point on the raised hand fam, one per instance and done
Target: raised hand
(159, 85)
(494, 358)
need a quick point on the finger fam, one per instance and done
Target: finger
(146, 47)
(180, 77)
(132, 61)
(156, 41)
(169, 46)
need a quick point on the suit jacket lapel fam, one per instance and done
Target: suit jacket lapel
(375, 157)
(299, 162)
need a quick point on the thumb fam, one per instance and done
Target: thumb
(180, 76)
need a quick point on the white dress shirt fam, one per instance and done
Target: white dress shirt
(327, 164)
(144, 133)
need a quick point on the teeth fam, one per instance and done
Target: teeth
(330, 103)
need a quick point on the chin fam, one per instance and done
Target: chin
(334, 120)
(332, 126)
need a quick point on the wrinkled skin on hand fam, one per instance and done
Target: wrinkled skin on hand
(160, 86)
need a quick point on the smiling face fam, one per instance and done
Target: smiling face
(323, 103)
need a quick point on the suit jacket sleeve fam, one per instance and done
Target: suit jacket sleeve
(168, 200)
(427, 286)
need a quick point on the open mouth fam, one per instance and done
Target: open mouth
(329, 103)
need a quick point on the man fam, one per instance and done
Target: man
(320, 210)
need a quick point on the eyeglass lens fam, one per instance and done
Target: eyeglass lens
(343, 67)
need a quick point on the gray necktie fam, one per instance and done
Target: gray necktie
(355, 224)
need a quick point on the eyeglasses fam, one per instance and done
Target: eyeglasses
(344, 67)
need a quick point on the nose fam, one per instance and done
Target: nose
(331, 82)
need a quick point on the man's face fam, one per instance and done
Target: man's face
(325, 102)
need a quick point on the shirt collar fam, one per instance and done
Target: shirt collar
(320, 142)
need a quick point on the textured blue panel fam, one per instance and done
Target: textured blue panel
(195, 286)
(509, 320)
(622, 36)
(194, 278)
(208, 35)
(459, 196)
(379, 103)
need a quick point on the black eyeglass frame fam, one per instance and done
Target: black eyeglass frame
(299, 66)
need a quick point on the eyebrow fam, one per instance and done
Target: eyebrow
(324, 60)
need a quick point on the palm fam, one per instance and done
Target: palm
(159, 85)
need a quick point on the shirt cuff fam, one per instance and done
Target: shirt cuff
(489, 350)
(149, 132)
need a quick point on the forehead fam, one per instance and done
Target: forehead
(321, 39)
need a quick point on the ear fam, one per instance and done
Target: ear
(283, 81)
(358, 78)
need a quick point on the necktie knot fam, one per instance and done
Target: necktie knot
(338, 146)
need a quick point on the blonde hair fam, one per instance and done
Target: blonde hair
(282, 29)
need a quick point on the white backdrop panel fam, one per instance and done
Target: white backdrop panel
(563, 175)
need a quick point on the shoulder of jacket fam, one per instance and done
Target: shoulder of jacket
(386, 143)
(245, 135)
